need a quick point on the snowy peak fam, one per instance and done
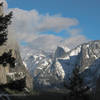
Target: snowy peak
(61, 51)
(89, 53)
(50, 72)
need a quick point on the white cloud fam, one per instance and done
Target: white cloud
(33, 21)
(46, 42)
(5, 4)
(56, 23)
(30, 25)
(74, 32)
(75, 40)
(50, 42)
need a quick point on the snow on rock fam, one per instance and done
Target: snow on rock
(15, 76)
(51, 71)
(61, 51)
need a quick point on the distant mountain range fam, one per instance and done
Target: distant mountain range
(52, 69)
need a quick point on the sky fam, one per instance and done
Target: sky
(86, 11)
(72, 20)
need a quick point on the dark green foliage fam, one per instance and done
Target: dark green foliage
(76, 87)
(4, 22)
(17, 85)
(1, 4)
(7, 58)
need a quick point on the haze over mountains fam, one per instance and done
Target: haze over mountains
(51, 67)
(51, 70)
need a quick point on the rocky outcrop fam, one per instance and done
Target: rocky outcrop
(54, 71)
(61, 51)
(15, 76)
(18, 71)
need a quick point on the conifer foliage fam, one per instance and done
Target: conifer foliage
(76, 86)
(4, 22)
(6, 57)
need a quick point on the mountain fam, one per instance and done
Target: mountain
(41, 61)
(8, 74)
(13, 74)
(52, 70)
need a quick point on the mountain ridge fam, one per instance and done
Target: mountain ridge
(58, 69)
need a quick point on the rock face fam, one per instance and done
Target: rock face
(19, 68)
(60, 51)
(17, 72)
(44, 68)
(15, 76)
(53, 71)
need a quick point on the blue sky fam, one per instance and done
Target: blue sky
(86, 11)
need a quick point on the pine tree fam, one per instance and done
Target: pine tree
(76, 87)
(5, 20)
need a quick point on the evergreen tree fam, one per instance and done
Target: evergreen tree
(5, 20)
(76, 87)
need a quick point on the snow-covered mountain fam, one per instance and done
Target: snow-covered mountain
(52, 69)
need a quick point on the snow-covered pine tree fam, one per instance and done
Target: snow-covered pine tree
(76, 86)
